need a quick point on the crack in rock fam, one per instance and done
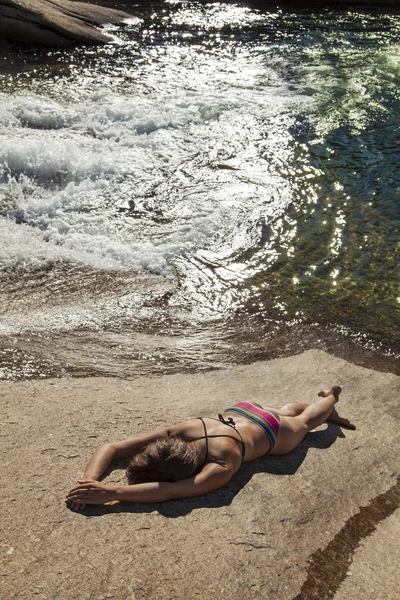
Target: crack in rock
(329, 566)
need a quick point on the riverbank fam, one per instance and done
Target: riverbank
(260, 536)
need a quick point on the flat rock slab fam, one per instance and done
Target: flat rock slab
(257, 537)
(60, 23)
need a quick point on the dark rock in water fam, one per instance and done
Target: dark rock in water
(55, 22)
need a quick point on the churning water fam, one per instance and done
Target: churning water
(218, 184)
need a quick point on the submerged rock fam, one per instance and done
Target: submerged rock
(55, 22)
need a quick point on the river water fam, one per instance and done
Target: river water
(217, 185)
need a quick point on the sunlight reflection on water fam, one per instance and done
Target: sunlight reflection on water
(245, 161)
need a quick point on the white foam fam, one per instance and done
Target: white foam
(27, 248)
(52, 159)
(113, 116)
(34, 111)
(182, 166)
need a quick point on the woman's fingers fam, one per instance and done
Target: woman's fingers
(90, 493)
(75, 506)
(78, 496)
(75, 494)
(81, 494)
(82, 486)
(84, 494)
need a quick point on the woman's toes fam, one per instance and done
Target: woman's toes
(336, 390)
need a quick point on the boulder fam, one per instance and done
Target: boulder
(60, 23)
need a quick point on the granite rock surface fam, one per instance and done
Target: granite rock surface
(255, 538)
(59, 23)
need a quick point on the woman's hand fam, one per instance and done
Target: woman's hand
(74, 505)
(89, 492)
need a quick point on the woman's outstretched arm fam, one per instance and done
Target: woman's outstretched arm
(105, 454)
(211, 477)
(98, 462)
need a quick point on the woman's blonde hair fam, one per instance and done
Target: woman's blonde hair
(166, 459)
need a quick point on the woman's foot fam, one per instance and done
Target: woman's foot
(334, 391)
(334, 417)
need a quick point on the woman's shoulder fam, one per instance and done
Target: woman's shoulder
(188, 428)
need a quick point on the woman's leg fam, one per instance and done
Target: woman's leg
(293, 409)
(293, 429)
(296, 408)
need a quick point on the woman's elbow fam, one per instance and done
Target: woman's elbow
(110, 449)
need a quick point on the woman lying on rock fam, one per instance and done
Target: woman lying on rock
(201, 455)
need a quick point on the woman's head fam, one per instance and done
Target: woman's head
(166, 459)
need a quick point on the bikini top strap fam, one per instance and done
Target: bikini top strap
(231, 423)
(205, 437)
